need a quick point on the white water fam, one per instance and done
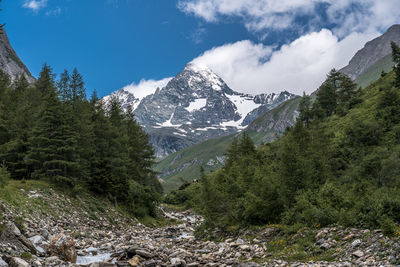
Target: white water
(100, 257)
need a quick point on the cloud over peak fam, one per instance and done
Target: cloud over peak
(299, 66)
(261, 15)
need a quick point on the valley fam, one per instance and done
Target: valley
(104, 236)
(214, 160)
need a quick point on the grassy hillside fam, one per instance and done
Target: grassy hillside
(35, 200)
(373, 73)
(185, 165)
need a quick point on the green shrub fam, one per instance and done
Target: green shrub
(387, 225)
(26, 255)
(4, 176)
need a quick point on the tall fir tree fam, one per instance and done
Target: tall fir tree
(77, 87)
(305, 109)
(63, 86)
(396, 60)
(141, 154)
(51, 144)
(45, 82)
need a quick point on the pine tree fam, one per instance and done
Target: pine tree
(233, 153)
(346, 94)
(246, 145)
(327, 97)
(141, 154)
(108, 165)
(4, 107)
(63, 86)
(100, 171)
(45, 82)
(19, 120)
(396, 60)
(305, 109)
(51, 144)
(77, 87)
(81, 120)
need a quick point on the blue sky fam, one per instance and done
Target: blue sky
(255, 45)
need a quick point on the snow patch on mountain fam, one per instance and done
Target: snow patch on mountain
(244, 105)
(169, 123)
(197, 104)
(205, 74)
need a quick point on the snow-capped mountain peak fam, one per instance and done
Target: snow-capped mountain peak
(194, 106)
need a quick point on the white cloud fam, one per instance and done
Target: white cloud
(35, 5)
(299, 66)
(262, 15)
(145, 87)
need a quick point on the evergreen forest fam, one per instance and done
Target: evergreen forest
(50, 131)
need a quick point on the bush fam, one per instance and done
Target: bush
(388, 227)
(4, 176)
(26, 255)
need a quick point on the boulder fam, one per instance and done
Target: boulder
(358, 254)
(3, 263)
(64, 247)
(144, 253)
(14, 235)
(17, 262)
(135, 261)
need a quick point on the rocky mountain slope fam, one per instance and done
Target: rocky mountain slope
(10, 63)
(195, 106)
(372, 52)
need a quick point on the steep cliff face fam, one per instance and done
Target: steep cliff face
(10, 63)
(372, 53)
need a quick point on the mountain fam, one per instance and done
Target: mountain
(10, 63)
(195, 106)
(365, 67)
(185, 164)
(373, 54)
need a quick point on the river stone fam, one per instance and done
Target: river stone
(150, 263)
(355, 243)
(17, 262)
(358, 253)
(144, 253)
(3, 263)
(135, 261)
(64, 247)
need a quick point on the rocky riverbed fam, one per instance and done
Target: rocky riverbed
(72, 237)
